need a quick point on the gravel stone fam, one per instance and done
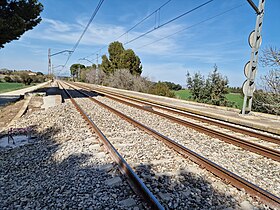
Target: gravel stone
(114, 181)
(171, 172)
(60, 169)
(164, 196)
(245, 205)
(129, 202)
(259, 170)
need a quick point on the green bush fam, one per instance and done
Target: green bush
(266, 102)
(8, 79)
(17, 79)
(26, 79)
(161, 89)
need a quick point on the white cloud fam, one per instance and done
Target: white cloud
(56, 26)
(99, 35)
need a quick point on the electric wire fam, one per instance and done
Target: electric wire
(191, 26)
(148, 16)
(84, 31)
(133, 27)
(170, 21)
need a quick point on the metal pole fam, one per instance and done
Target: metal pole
(97, 55)
(79, 72)
(255, 37)
(49, 61)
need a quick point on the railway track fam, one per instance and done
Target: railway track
(205, 163)
(237, 141)
(245, 129)
(180, 111)
(134, 180)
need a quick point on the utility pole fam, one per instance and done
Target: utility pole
(96, 75)
(49, 58)
(79, 71)
(251, 66)
(49, 61)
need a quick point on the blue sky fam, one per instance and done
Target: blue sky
(222, 40)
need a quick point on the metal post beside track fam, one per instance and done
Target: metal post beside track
(250, 68)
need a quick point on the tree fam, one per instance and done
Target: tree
(39, 73)
(8, 79)
(75, 69)
(119, 58)
(130, 61)
(17, 17)
(216, 87)
(270, 57)
(84, 72)
(25, 78)
(211, 91)
(106, 65)
(173, 86)
(268, 99)
(115, 50)
(196, 85)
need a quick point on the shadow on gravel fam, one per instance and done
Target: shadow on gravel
(48, 90)
(36, 176)
(184, 190)
(76, 94)
(56, 91)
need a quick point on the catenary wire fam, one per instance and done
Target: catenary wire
(84, 31)
(159, 26)
(170, 21)
(137, 24)
(191, 26)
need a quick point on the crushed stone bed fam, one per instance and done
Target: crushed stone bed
(63, 167)
(178, 183)
(259, 170)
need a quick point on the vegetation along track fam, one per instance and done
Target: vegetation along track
(253, 147)
(221, 172)
(133, 179)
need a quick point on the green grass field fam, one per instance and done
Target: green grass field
(183, 94)
(7, 86)
(234, 97)
(237, 98)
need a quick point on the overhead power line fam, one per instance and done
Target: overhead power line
(133, 27)
(148, 16)
(84, 31)
(170, 21)
(191, 26)
(161, 25)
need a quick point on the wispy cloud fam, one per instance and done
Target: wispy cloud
(102, 34)
(57, 26)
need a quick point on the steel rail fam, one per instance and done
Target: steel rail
(247, 145)
(137, 185)
(195, 116)
(219, 171)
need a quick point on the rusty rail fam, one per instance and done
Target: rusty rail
(182, 112)
(137, 185)
(219, 171)
(253, 147)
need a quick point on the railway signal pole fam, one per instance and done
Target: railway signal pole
(251, 66)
